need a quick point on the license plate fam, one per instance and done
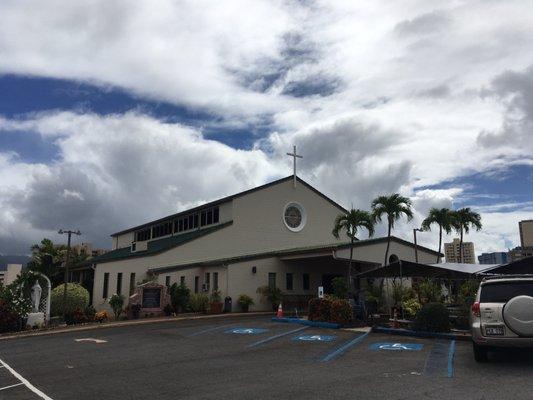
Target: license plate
(494, 330)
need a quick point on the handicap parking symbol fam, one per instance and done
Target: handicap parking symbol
(315, 338)
(247, 331)
(397, 346)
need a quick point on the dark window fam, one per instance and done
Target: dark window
(215, 215)
(504, 291)
(182, 280)
(196, 281)
(132, 283)
(207, 280)
(203, 218)
(185, 224)
(306, 281)
(106, 285)
(162, 229)
(272, 279)
(215, 280)
(181, 225)
(142, 235)
(209, 217)
(119, 283)
(191, 221)
(289, 281)
(196, 220)
(167, 281)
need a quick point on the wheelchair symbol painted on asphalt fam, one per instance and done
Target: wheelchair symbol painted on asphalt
(397, 346)
(247, 331)
(315, 338)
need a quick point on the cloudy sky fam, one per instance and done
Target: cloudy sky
(116, 112)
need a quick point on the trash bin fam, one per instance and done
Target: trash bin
(227, 304)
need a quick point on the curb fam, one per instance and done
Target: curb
(315, 324)
(129, 323)
(407, 332)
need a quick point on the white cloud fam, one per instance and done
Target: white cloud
(379, 97)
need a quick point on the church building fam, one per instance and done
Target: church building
(275, 234)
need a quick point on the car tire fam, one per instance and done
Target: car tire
(480, 353)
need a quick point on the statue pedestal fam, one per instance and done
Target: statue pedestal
(36, 318)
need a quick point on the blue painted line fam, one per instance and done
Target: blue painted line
(208, 330)
(315, 324)
(408, 332)
(269, 339)
(451, 356)
(337, 352)
(396, 346)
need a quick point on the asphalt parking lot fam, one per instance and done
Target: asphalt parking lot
(252, 358)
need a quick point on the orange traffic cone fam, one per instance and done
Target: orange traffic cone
(280, 311)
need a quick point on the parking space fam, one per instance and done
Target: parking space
(241, 358)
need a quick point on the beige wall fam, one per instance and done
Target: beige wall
(526, 233)
(375, 253)
(257, 227)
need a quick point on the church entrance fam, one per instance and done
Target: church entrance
(326, 282)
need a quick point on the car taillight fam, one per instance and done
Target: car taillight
(476, 309)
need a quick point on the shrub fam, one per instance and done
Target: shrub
(467, 292)
(411, 307)
(168, 310)
(430, 291)
(339, 287)
(330, 309)
(77, 298)
(90, 312)
(117, 304)
(270, 293)
(179, 297)
(244, 301)
(215, 296)
(433, 317)
(9, 320)
(101, 316)
(75, 317)
(400, 293)
(199, 302)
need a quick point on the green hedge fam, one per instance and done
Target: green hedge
(330, 309)
(433, 317)
(77, 299)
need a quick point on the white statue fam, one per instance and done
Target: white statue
(36, 292)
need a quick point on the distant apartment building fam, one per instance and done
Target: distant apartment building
(87, 250)
(526, 233)
(498, 257)
(451, 251)
(526, 241)
(9, 273)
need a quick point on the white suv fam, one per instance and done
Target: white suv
(502, 315)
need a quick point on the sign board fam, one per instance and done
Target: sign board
(247, 331)
(396, 346)
(151, 298)
(321, 292)
(315, 338)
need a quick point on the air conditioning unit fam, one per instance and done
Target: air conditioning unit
(138, 246)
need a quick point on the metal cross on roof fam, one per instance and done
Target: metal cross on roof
(294, 155)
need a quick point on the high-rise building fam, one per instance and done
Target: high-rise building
(526, 233)
(451, 251)
(498, 257)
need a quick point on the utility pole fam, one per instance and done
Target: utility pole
(416, 245)
(67, 260)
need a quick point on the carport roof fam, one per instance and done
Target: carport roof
(408, 269)
(523, 266)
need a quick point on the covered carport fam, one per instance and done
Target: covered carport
(524, 266)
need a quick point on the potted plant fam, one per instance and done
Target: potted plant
(216, 304)
(272, 294)
(245, 302)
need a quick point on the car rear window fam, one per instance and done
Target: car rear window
(502, 292)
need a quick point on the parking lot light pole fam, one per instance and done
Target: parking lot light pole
(416, 245)
(67, 260)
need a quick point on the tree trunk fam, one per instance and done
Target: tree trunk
(461, 247)
(440, 243)
(388, 245)
(350, 288)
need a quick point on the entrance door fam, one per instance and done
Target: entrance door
(326, 282)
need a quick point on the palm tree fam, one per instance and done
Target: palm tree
(351, 222)
(462, 220)
(393, 207)
(47, 258)
(443, 217)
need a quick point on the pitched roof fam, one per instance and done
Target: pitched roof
(286, 252)
(156, 246)
(229, 198)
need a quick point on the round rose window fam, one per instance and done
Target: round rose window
(294, 217)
